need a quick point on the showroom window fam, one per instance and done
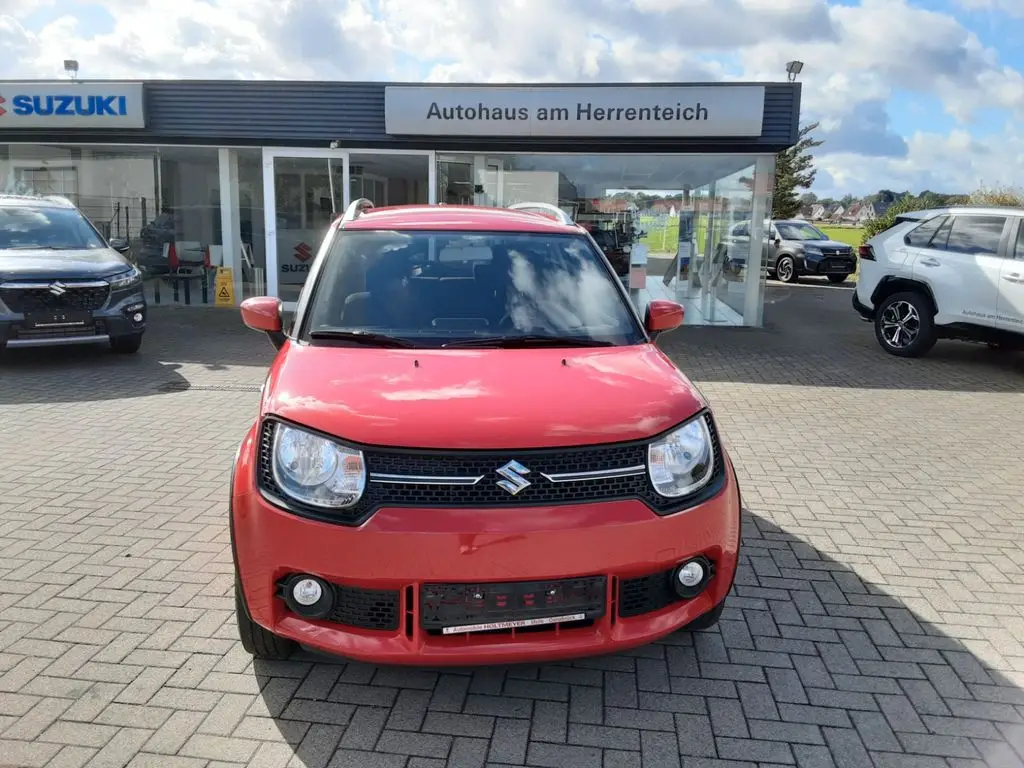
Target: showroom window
(697, 220)
(165, 201)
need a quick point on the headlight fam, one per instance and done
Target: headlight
(682, 461)
(316, 471)
(125, 279)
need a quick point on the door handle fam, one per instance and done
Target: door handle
(1013, 277)
(928, 262)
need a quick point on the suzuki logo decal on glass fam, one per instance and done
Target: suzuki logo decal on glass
(514, 481)
(303, 252)
(58, 289)
(2, 110)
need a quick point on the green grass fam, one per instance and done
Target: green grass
(848, 235)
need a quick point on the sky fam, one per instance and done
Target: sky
(909, 94)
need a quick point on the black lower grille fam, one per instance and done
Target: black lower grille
(486, 492)
(42, 299)
(646, 594)
(365, 608)
(96, 329)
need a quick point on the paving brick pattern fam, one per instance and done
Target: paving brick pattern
(877, 620)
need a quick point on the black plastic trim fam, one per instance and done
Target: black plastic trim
(889, 285)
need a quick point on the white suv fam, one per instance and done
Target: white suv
(953, 273)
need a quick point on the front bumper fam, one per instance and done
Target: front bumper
(829, 265)
(116, 320)
(384, 563)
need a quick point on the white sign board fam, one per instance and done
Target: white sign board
(610, 111)
(71, 104)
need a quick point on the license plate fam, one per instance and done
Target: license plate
(58, 318)
(539, 622)
(455, 608)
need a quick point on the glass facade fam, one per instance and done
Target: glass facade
(684, 227)
(664, 220)
(167, 202)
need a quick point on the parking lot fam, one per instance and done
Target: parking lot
(877, 620)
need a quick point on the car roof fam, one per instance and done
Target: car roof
(35, 201)
(955, 210)
(457, 217)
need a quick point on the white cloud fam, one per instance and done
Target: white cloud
(856, 55)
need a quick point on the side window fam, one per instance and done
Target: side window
(1020, 240)
(975, 235)
(920, 236)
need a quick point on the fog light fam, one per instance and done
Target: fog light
(137, 317)
(690, 575)
(307, 591)
(308, 596)
(690, 578)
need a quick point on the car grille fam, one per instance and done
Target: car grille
(836, 252)
(98, 328)
(39, 298)
(365, 608)
(646, 594)
(457, 479)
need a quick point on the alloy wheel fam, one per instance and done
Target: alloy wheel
(901, 324)
(785, 270)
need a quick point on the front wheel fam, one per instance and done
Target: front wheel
(904, 325)
(837, 279)
(126, 345)
(255, 639)
(785, 269)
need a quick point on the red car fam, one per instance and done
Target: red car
(469, 450)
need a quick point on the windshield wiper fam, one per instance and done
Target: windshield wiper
(361, 337)
(532, 340)
(40, 248)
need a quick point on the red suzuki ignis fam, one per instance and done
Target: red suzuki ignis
(469, 450)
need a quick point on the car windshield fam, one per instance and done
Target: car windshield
(28, 227)
(800, 232)
(483, 288)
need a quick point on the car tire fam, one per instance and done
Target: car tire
(126, 345)
(706, 620)
(785, 269)
(837, 279)
(256, 640)
(907, 316)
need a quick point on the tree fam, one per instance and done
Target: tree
(794, 170)
(808, 198)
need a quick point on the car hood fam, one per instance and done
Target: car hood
(43, 264)
(480, 398)
(822, 244)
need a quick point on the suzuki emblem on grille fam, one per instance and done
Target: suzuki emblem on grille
(514, 481)
(58, 289)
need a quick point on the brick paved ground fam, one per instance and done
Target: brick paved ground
(878, 618)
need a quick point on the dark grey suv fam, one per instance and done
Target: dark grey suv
(61, 282)
(791, 248)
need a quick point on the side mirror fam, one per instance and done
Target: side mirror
(263, 313)
(663, 316)
(120, 244)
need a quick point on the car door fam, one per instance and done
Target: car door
(961, 264)
(1010, 302)
(771, 249)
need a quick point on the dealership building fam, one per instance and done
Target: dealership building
(247, 175)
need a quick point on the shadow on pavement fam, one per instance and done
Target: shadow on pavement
(810, 664)
(183, 348)
(813, 337)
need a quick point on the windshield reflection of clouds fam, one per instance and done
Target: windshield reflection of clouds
(565, 298)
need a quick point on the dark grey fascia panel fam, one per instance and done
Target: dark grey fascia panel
(313, 114)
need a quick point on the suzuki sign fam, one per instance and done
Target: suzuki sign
(70, 104)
